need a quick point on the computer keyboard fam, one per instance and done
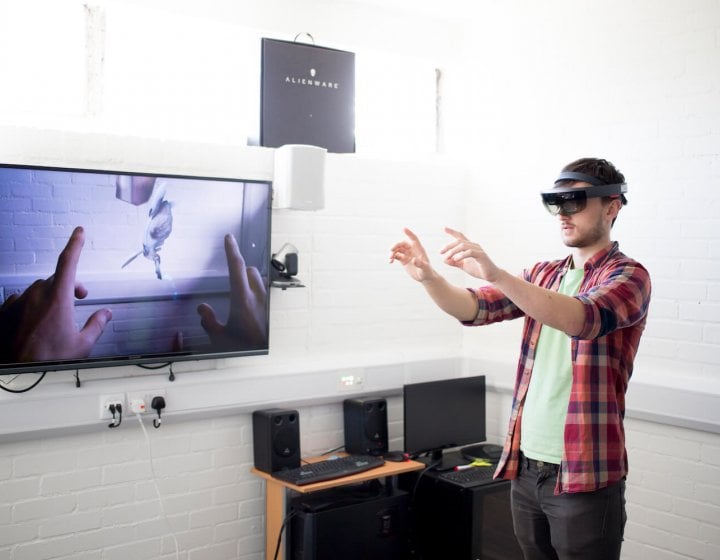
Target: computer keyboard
(329, 469)
(467, 478)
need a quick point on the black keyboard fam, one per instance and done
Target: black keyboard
(329, 469)
(468, 478)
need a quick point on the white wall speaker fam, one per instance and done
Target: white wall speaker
(299, 177)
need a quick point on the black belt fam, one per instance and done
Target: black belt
(535, 465)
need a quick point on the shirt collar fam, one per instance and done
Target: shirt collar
(601, 256)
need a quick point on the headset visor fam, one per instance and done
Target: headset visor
(568, 200)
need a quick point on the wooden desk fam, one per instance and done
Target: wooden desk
(275, 491)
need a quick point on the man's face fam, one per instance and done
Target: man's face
(590, 225)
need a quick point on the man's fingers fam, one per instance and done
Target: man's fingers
(456, 234)
(94, 327)
(208, 320)
(64, 277)
(236, 268)
(399, 251)
(460, 248)
(178, 344)
(81, 291)
(400, 246)
(8, 300)
(255, 281)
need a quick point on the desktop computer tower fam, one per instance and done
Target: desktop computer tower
(451, 521)
(364, 522)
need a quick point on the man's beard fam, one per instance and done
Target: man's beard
(595, 234)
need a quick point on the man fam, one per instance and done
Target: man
(584, 315)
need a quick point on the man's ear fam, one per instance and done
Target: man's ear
(613, 208)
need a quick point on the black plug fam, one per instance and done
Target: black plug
(113, 408)
(158, 403)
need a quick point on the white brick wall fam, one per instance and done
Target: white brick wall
(636, 82)
(673, 492)
(75, 504)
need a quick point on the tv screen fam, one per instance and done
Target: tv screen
(103, 268)
(443, 414)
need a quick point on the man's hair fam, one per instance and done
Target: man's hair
(601, 169)
(598, 168)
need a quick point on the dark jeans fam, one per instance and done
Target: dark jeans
(580, 526)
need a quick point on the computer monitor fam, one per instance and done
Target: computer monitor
(443, 414)
(154, 250)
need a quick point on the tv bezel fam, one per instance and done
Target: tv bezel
(155, 360)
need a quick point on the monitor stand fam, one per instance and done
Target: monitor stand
(482, 451)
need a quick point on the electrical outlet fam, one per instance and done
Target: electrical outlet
(137, 405)
(351, 379)
(106, 401)
(144, 397)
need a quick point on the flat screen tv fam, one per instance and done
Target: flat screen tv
(443, 414)
(105, 268)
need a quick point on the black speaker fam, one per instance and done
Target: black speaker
(366, 426)
(276, 439)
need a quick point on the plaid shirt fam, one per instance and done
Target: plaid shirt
(615, 292)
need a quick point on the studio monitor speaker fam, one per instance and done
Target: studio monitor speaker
(299, 177)
(276, 439)
(366, 425)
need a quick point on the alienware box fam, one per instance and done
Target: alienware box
(307, 96)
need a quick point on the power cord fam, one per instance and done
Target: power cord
(26, 389)
(158, 403)
(171, 377)
(157, 488)
(113, 408)
(413, 496)
(338, 448)
(288, 517)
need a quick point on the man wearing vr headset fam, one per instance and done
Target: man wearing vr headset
(584, 315)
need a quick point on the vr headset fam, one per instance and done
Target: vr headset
(568, 200)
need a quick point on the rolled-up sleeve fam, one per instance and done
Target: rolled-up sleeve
(493, 307)
(619, 298)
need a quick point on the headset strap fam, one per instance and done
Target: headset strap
(574, 176)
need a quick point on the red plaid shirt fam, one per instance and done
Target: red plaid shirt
(616, 293)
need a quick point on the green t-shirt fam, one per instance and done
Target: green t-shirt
(546, 403)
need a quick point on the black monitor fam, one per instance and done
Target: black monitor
(443, 414)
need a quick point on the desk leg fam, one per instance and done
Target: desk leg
(274, 515)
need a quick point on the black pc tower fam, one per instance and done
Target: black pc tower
(450, 521)
(361, 522)
(444, 426)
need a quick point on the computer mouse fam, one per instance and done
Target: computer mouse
(396, 456)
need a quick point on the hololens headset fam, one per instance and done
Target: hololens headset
(568, 200)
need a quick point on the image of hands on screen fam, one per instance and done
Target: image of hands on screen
(39, 324)
(246, 324)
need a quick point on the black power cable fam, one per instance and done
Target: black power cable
(26, 389)
(280, 533)
(160, 366)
